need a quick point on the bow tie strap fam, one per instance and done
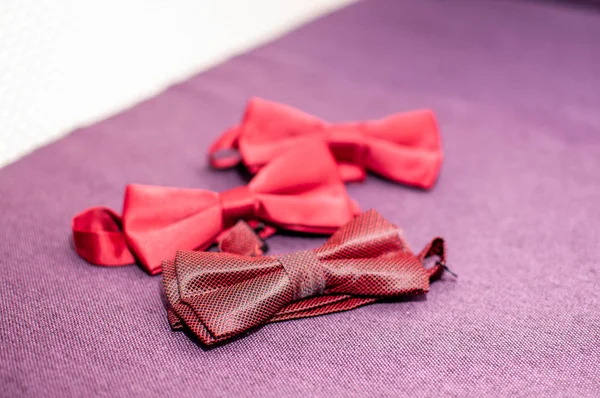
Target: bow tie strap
(245, 238)
(223, 153)
(437, 248)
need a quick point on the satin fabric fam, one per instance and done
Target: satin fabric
(300, 191)
(220, 295)
(405, 147)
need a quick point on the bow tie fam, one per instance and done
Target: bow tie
(404, 147)
(291, 193)
(220, 295)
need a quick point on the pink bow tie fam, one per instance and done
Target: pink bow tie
(404, 147)
(300, 191)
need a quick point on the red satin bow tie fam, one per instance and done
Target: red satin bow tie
(301, 191)
(220, 295)
(405, 147)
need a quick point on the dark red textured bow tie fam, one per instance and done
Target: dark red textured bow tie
(220, 295)
(404, 147)
(300, 191)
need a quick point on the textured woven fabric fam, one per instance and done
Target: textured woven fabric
(243, 239)
(515, 87)
(240, 239)
(218, 296)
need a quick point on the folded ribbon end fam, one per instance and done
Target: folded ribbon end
(98, 238)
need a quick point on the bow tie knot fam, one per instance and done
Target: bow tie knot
(348, 142)
(305, 272)
(237, 203)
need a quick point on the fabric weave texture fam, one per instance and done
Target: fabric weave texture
(515, 88)
(221, 295)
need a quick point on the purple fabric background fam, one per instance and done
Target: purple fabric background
(516, 86)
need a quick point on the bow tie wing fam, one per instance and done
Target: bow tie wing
(405, 147)
(270, 128)
(302, 191)
(158, 221)
(400, 274)
(266, 130)
(366, 236)
(369, 257)
(230, 294)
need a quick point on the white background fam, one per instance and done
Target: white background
(67, 63)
